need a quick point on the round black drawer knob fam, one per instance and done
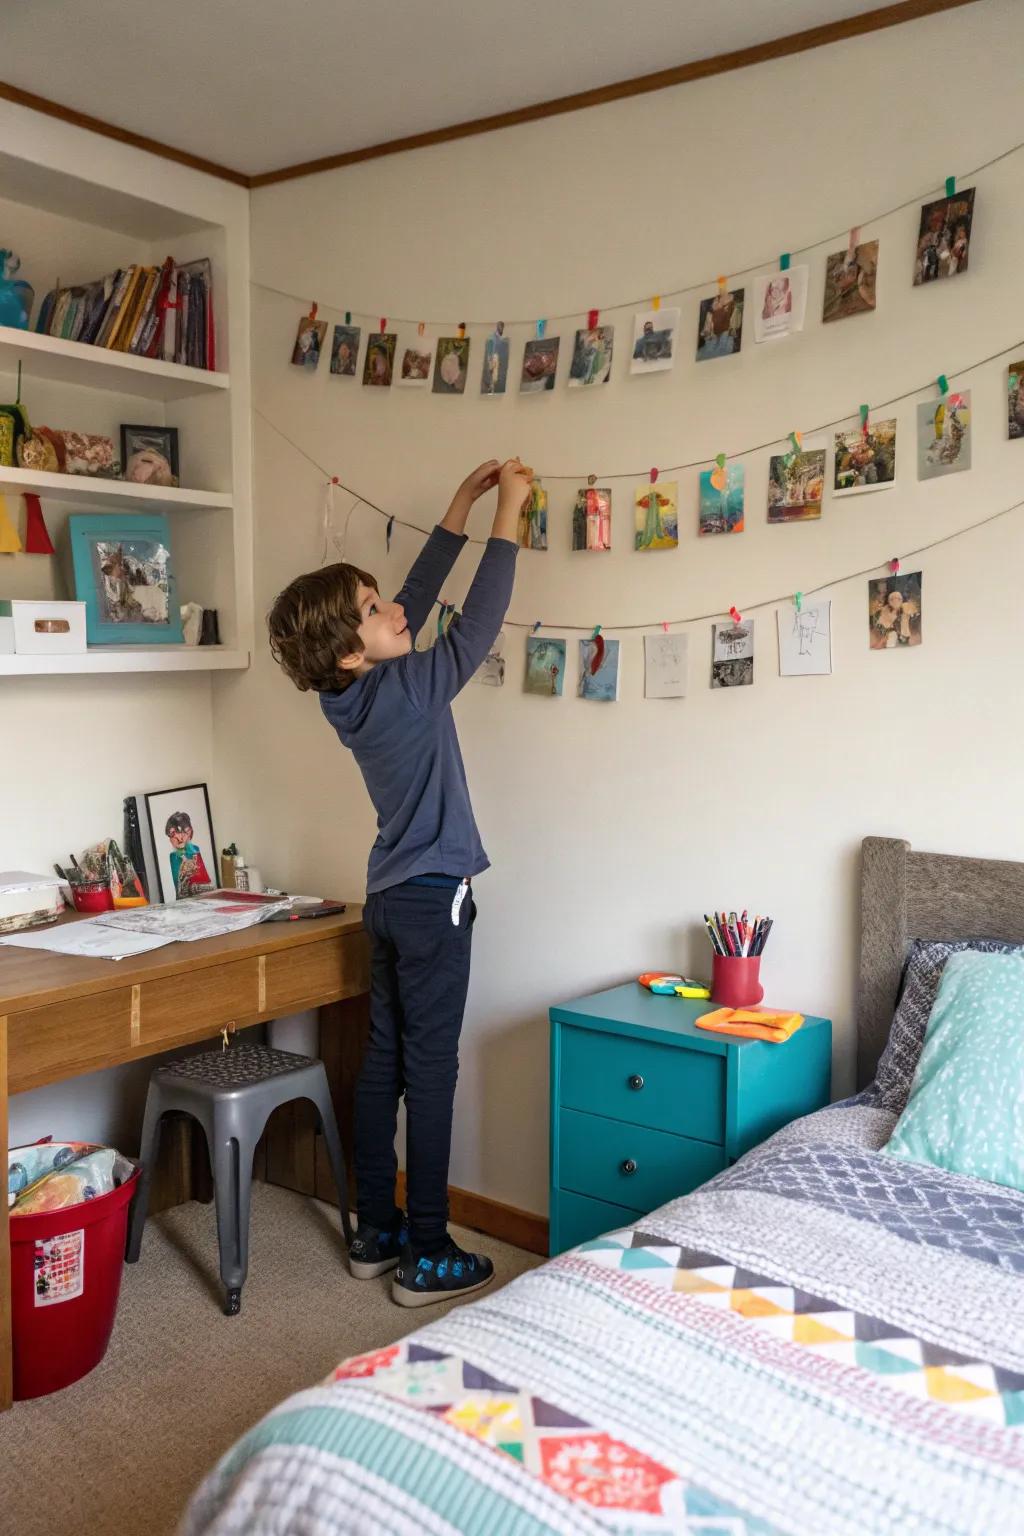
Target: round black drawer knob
(629, 1166)
(636, 1082)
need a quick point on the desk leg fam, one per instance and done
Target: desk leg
(6, 1362)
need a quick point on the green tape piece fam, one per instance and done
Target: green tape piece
(943, 384)
(784, 262)
(950, 185)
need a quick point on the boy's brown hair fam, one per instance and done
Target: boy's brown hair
(314, 622)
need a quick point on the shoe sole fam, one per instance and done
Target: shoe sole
(362, 1270)
(406, 1298)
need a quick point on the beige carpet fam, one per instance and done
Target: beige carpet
(121, 1451)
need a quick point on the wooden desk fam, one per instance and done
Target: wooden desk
(61, 1016)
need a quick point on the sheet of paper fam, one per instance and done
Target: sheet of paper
(187, 921)
(665, 666)
(89, 939)
(20, 880)
(805, 640)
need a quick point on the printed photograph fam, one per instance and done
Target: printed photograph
(491, 670)
(345, 350)
(944, 435)
(732, 654)
(850, 278)
(149, 455)
(451, 365)
(654, 340)
(494, 378)
(656, 513)
(1015, 398)
(545, 666)
(308, 341)
(944, 238)
(796, 484)
(666, 658)
(720, 329)
(592, 518)
(379, 363)
(865, 461)
(805, 639)
(894, 611)
(599, 670)
(182, 832)
(132, 581)
(780, 303)
(414, 369)
(533, 519)
(721, 499)
(540, 364)
(592, 357)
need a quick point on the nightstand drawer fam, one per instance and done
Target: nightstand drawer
(630, 1165)
(644, 1083)
(579, 1218)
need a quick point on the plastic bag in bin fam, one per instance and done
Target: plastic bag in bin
(53, 1174)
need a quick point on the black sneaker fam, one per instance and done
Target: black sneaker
(375, 1250)
(453, 1272)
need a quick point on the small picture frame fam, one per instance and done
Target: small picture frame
(124, 573)
(149, 455)
(181, 827)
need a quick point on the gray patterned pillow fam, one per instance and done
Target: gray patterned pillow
(925, 964)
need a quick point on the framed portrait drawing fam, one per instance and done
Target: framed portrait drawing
(182, 831)
(149, 455)
(124, 573)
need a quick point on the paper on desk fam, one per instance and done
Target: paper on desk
(88, 938)
(196, 918)
(12, 880)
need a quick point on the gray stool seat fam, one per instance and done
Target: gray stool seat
(232, 1094)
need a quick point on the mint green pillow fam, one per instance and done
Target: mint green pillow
(966, 1105)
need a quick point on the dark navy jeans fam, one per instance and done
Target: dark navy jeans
(419, 976)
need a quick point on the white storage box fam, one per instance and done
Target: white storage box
(47, 628)
(6, 635)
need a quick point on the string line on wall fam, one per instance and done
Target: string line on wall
(644, 300)
(650, 624)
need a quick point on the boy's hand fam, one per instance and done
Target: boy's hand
(514, 483)
(482, 479)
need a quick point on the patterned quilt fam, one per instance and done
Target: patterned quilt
(822, 1341)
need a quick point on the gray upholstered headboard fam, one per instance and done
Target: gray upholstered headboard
(906, 895)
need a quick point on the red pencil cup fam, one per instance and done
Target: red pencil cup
(92, 896)
(736, 980)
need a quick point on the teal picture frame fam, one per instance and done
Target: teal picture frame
(123, 565)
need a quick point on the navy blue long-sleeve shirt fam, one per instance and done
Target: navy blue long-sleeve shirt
(397, 720)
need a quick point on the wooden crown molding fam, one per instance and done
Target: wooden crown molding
(699, 69)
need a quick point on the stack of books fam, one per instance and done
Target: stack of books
(26, 899)
(164, 312)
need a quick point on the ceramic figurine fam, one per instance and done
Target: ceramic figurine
(15, 297)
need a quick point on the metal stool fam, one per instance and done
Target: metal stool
(232, 1094)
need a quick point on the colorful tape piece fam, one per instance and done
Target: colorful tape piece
(37, 536)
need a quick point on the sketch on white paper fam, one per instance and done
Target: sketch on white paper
(780, 303)
(805, 640)
(492, 669)
(665, 666)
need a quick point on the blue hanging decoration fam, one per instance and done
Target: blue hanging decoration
(390, 531)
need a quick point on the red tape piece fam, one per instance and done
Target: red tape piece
(595, 665)
(37, 537)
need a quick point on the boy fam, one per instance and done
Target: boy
(391, 705)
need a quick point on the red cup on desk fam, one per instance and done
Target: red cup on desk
(736, 980)
(92, 896)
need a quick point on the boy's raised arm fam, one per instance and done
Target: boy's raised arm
(433, 563)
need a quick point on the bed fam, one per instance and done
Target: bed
(822, 1340)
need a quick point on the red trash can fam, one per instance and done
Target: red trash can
(65, 1281)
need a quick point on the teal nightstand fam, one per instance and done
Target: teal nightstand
(645, 1106)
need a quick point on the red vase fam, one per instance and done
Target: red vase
(736, 980)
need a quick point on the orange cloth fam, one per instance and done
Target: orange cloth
(752, 1023)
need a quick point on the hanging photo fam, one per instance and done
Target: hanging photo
(654, 340)
(805, 639)
(780, 303)
(850, 278)
(491, 670)
(182, 834)
(894, 611)
(379, 363)
(599, 670)
(345, 350)
(944, 238)
(592, 518)
(308, 341)
(944, 435)
(721, 499)
(533, 519)
(414, 368)
(865, 461)
(796, 484)
(656, 513)
(666, 659)
(720, 330)
(592, 357)
(545, 666)
(494, 378)
(1015, 398)
(451, 365)
(732, 654)
(540, 364)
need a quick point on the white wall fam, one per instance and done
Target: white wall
(611, 828)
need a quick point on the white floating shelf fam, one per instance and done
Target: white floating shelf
(87, 490)
(128, 658)
(48, 357)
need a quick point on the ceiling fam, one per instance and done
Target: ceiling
(254, 85)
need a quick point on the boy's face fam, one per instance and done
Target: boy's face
(180, 836)
(383, 630)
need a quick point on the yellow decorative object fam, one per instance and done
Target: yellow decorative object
(10, 542)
